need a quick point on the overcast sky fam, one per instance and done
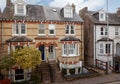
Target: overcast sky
(91, 4)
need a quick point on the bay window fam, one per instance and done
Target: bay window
(105, 48)
(70, 49)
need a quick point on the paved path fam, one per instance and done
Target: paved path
(113, 78)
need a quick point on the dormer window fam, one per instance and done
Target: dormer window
(20, 8)
(68, 12)
(102, 15)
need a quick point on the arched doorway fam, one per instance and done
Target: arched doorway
(118, 49)
(42, 49)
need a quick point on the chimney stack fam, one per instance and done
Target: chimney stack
(8, 3)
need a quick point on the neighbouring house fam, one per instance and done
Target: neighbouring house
(102, 39)
(56, 32)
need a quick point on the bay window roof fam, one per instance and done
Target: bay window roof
(70, 38)
(105, 39)
(19, 39)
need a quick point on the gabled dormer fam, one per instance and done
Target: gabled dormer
(102, 15)
(19, 8)
(68, 11)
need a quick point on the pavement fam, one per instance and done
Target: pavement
(113, 78)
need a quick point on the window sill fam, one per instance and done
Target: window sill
(19, 35)
(69, 55)
(104, 55)
(41, 34)
(70, 34)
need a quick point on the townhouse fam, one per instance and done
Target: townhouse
(56, 32)
(102, 39)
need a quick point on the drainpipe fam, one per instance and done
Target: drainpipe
(2, 32)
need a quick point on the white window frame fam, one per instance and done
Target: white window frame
(16, 12)
(68, 12)
(51, 27)
(70, 29)
(117, 31)
(19, 74)
(40, 28)
(66, 48)
(103, 31)
(103, 48)
(19, 29)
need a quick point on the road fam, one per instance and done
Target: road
(103, 79)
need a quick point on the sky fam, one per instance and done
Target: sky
(94, 5)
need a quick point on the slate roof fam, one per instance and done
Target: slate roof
(34, 12)
(105, 39)
(113, 18)
(42, 13)
(58, 15)
(19, 39)
(70, 38)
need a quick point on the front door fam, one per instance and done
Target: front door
(117, 66)
(118, 49)
(42, 49)
(51, 52)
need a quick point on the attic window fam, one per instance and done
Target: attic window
(20, 8)
(54, 10)
(102, 16)
(68, 12)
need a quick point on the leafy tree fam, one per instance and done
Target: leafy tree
(26, 57)
(6, 62)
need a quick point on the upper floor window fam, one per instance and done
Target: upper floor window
(68, 12)
(51, 29)
(19, 8)
(103, 31)
(19, 29)
(41, 29)
(116, 31)
(70, 29)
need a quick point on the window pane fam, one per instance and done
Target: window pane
(20, 9)
(116, 31)
(67, 29)
(72, 49)
(108, 48)
(101, 48)
(65, 49)
(41, 29)
(72, 29)
(101, 30)
(106, 30)
(51, 31)
(22, 28)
